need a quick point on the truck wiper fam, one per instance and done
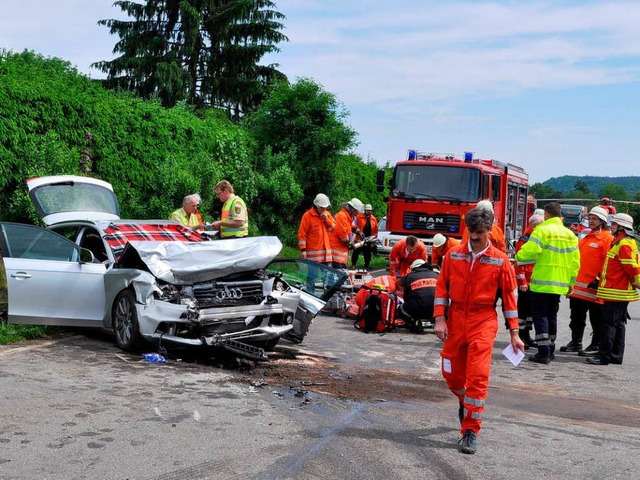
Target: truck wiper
(451, 199)
(421, 195)
(434, 197)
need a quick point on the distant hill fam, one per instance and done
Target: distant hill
(566, 183)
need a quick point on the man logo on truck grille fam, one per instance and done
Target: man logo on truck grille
(431, 222)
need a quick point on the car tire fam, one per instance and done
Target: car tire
(124, 320)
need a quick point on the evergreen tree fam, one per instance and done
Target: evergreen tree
(204, 52)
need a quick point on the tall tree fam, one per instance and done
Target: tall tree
(303, 125)
(204, 52)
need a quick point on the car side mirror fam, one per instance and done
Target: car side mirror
(86, 256)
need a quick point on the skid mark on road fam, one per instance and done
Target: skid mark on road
(327, 435)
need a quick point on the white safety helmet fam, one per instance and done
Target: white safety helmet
(322, 201)
(368, 207)
(485, 205)
(624, 220)
(439, 240)
(601, 213)
(356, 205)
(417, 263)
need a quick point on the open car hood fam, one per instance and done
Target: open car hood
(62, 198)
(193, 262)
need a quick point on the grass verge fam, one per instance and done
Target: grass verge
(15, 333)
(378, 262)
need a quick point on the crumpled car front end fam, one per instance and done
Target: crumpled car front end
(204, 294)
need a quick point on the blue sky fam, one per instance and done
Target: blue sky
(552, 86)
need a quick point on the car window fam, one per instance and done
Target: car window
(27, 241)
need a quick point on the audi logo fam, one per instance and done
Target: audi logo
(234, 293)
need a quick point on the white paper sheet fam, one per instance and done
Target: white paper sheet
(514, 357)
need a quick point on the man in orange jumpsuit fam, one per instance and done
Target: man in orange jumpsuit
(441, 245)
(313, 236)
(496, 235)
(467, 322)
(583, 295)
(404, 253)
(523, 277)
(340, 236)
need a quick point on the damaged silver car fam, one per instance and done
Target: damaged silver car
(152, 280)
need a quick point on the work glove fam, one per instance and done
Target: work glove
(594, 284)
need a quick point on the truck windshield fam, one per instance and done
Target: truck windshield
(438, 182)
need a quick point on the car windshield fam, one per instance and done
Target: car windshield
(438, 182)
(119, 234)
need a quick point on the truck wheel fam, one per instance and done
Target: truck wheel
(124, 319)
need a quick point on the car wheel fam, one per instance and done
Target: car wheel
(124, 319)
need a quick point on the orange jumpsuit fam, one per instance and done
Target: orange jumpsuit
(400, 259)
(340, 237)
(496, 236)
(313, 236)
(438, 253)
(466, 294)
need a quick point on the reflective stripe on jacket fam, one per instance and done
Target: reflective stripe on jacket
(234, 209)
(554, 250)
(313, 236)
(593, 251)
(400, 259)
(472, 289)
(181, 216)
(621, 271)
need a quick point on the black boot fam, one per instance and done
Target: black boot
(591, 351)
(571, 347)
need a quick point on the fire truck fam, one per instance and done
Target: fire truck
(430, 193)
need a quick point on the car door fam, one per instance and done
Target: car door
(45, 283)
(316, 282)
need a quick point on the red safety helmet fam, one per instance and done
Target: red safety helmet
(606, 200)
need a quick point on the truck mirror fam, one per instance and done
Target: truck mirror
(380, 181)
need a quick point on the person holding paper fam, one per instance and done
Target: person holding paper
(467, 321)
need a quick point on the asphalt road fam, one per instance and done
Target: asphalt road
(340, 405)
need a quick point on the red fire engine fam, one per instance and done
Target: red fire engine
(430, 193)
